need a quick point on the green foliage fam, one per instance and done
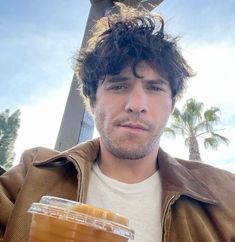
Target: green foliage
(192, 123)
(9, 125)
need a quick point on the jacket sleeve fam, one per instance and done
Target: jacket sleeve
(10, 184)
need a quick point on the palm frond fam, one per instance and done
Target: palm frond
(215, 140)
(200, 127)
(194, 107)
(169, 132)
(212, 115)
(179, 129)
(211, 143)
(220, 138)
(176, 115)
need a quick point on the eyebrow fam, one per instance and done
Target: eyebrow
(159, 81)
(115, 78)
(122, 78)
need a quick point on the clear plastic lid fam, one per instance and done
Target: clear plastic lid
(80, 213)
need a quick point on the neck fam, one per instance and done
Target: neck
(125, 170)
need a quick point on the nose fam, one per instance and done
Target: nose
(136, 101)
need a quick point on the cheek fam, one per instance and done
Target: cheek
(163, 109)
(101, 113)
(167, 109)
(168, 106)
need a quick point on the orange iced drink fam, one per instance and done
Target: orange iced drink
(60, 220)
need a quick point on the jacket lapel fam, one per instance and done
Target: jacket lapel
(177, 180)
(81, 156)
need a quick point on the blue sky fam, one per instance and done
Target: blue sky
(38, 40)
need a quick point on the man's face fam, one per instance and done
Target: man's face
(131, 113)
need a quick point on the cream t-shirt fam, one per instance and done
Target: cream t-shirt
(140, 202)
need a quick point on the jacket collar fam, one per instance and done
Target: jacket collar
(177, 179)
(81, 154)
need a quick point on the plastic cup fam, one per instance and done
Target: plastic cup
(61, 220)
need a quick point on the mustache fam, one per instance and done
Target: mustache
(133, 119)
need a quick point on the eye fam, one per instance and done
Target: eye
(117, 87)
(155, 87)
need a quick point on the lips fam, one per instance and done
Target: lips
(134, 126)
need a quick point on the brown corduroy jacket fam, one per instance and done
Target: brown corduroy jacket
(198, 201)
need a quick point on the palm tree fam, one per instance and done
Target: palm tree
(192, 123)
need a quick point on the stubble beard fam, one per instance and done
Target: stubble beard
(120, 151)
(116, 145)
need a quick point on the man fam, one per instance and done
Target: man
(132, 73)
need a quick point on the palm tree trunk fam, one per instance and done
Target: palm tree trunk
(194, 153)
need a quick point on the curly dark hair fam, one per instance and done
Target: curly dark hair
(126, 39)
